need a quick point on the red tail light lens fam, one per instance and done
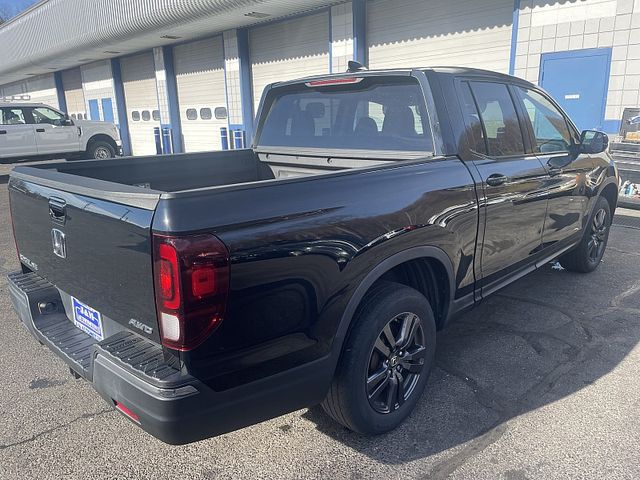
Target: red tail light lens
(192, 283)
(169, 281)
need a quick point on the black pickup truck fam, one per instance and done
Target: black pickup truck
(200, 293)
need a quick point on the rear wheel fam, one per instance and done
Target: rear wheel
(100, 150)
(588, 254)
(386, 360)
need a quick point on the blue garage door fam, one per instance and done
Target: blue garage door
(578, 80)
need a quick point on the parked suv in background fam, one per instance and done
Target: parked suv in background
(29, 130)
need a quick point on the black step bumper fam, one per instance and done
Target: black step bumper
(130, 370)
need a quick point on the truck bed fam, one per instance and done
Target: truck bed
(154, 175)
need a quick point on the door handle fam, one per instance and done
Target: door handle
(3, 132)
(57, 209)
(40, 130)
(496, 180)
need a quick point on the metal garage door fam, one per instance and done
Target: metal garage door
(73, 93)
(199, 69)
(43, 90)
(141, 99)
(289, 49)
(409, 33)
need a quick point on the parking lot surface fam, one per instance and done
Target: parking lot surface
(540, 381)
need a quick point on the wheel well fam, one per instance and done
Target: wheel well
(429, 277)
(610, 193)
(100, 137)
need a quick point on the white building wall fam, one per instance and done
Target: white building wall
(341, 37)
(97, 83)
(161, 85)
(580, 24)
(232, 77)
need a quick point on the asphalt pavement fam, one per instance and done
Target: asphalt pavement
(542, 381)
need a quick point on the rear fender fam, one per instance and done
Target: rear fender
(376, 273)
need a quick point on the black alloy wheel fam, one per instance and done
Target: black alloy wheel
(395, 364)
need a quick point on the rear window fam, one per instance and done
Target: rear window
(374, 114)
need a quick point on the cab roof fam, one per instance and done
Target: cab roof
(466, 71)
(23, 104)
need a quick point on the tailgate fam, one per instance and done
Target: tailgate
(106, 262)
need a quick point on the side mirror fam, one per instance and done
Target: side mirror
(593, 141)
(66, 121)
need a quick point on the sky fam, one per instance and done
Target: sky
(10, 8)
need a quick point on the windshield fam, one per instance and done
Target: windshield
(373, 114)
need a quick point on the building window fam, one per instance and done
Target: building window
(192, 114)
(205, 113)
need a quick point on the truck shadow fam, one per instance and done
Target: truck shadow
(542, 339)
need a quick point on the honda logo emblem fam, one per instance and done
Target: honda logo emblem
(59, 243)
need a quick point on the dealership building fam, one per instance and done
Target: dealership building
(197, 68)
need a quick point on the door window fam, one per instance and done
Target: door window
(42, 115)
(549, 125)
(499, 119)
(474, 128)
(12, 116)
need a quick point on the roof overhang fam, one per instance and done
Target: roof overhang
(60, 34)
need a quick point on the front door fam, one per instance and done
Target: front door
(578, 80)
(513, 183)
(53, 135)
(556, 145)
(17, 136)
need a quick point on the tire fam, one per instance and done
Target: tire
(387, 306)
(587, 255)
(100, 150)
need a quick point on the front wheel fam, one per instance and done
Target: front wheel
(588, 254)
(386, 360)
(100, 150)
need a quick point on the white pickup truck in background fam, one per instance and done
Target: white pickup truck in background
(35, 130)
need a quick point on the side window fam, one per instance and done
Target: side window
(146, 115)
(12, 116)
(192, 114)
(499, 119)
(135, 116)
(472, 122)
(46, 115)
(549, 125)
(155, 115)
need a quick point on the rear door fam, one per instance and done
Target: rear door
(513, 182)
(17, 136)
(94, 250)
(555, 142)
(52, 134)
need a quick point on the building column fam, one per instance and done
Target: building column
(123, 121)
(62, 100)
(238, 83)
(360, 50)
(514, 36)
(167, 91)
(342, 43)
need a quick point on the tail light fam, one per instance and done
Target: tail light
(191, 283)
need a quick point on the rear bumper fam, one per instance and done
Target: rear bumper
(129, 370)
